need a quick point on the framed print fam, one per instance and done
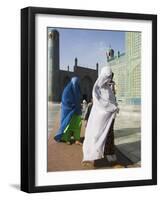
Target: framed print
(88, 99)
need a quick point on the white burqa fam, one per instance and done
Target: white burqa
(102, 114)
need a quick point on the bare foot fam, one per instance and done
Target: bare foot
(54, 141)
(68, 143)
(118, 166)
(78, 143)
(88, 164)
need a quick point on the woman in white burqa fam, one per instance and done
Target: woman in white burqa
(101, 117)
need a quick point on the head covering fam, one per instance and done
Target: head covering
(106, 71)
(75, 84)
(75, 80)
(105, 76)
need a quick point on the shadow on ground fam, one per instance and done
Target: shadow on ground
(126, 132)
(121, 160)
(131, 150)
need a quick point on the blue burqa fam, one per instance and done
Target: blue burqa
(70, 104)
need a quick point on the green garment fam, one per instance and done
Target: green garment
(72, 129)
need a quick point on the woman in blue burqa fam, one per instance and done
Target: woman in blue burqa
(70, 123)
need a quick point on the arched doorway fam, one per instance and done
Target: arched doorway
(86, 88)
(66, 81)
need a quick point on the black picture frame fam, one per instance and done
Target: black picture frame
(28, 98)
